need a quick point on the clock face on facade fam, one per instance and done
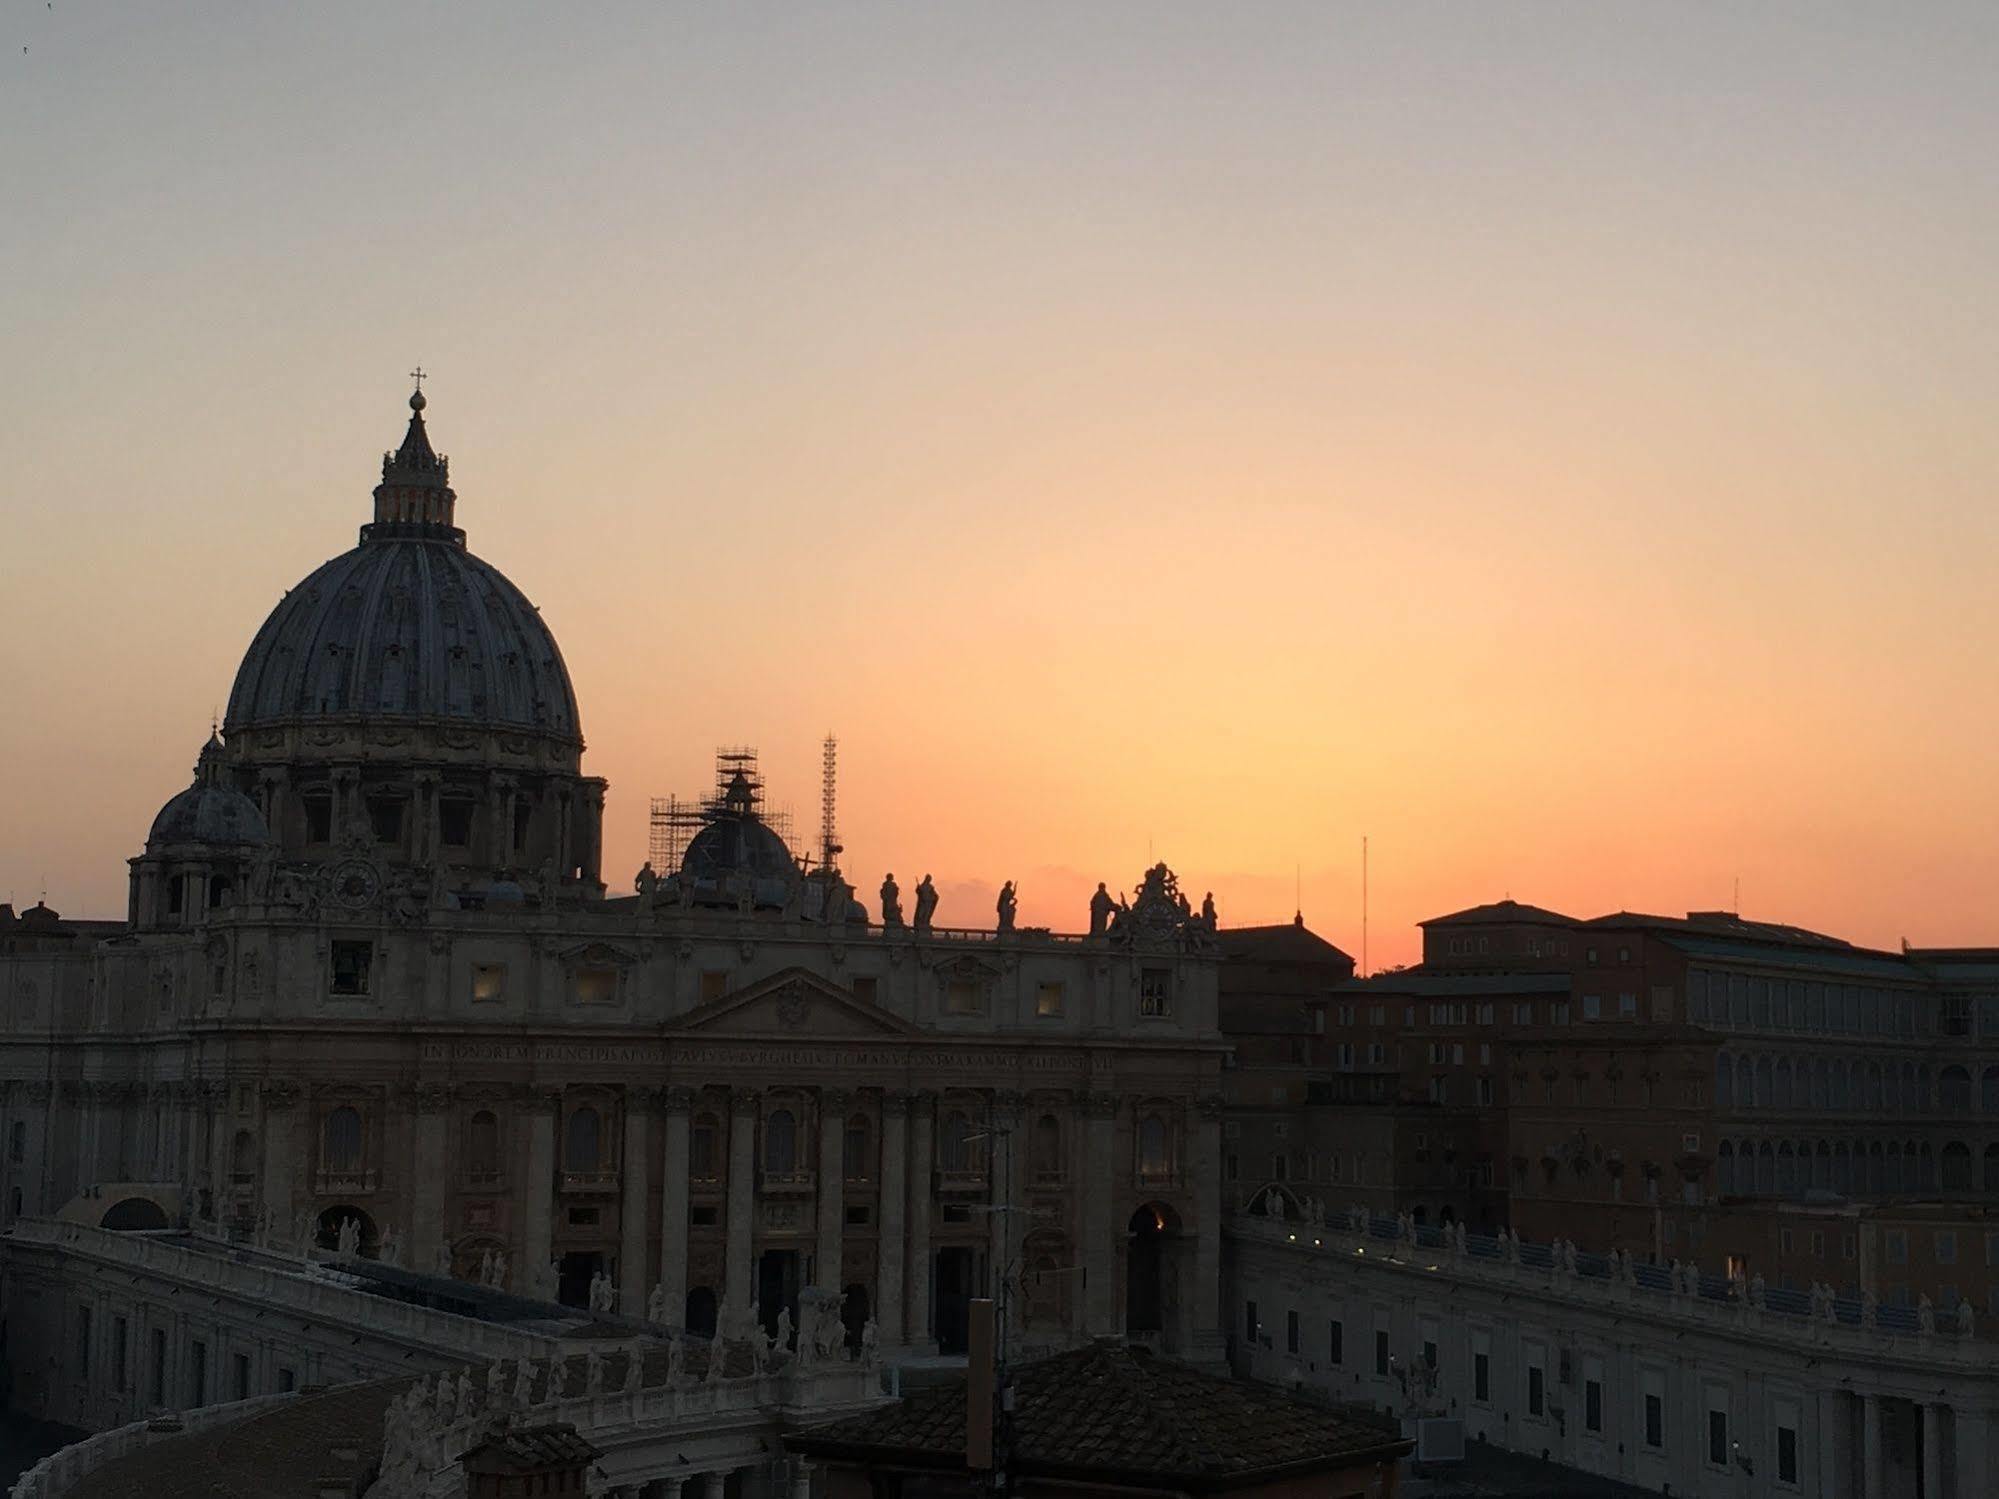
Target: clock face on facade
(353, 883)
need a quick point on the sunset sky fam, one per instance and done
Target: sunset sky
(1557, 442)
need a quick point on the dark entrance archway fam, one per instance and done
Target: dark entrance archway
(1148, 1282)
(854, 1315)
(700, 1320)
(132, 1214)
(328, 1236)
(957, 1269)
(777, 1287)
(579, 1268)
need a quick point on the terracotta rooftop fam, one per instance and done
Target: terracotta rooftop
(1280, 942)
(1114, 1412)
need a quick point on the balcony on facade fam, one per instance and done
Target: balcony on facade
(788, 1183)
(590, 1183)
(347, 1183)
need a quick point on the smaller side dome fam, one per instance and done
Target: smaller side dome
(211, 811)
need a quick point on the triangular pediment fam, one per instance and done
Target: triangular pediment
(795, 1002)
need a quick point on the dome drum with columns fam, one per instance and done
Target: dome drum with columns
(406, 696)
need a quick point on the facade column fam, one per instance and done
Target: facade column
(922, 1135)
(1200, 1302)
(1932, 1418)
(713, 1484)
(1099, 1196)
(1870, 1447)
(739, 1278)
(832, 1186)
(281, 1164)
(431, 1175)
(889, 1237)
(673, 1206)
(1974, 1454)
(219, 1140)
(801, 1479)
(1831, 1479)
(633, 1214)
(538, 1187)
(1006, 1151)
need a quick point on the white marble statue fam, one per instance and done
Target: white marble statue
(348, 1242)
(635, 1367)
(656, 1305)
(870, 1344)
(593, 1372)
(392, 1247)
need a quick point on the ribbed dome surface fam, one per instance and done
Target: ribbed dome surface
(208, 813)
(738, 845)
(406, 626)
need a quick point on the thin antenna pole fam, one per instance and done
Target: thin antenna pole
(1363, 905)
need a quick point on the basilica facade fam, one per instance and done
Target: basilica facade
(371, 978)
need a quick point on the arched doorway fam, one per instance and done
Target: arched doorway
(133, 1214)
(328, 1236)
(1148, 1281)
(700, 1320)
(854, 1315)
(578, 1270)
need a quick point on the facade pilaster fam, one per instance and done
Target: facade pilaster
(538, 1189)
(633, 1214)
(889, 1253)
(922, 1138)
(1200, 1302)
(740, 1279)
(281, 1164)
(832, 1186)
(429, 1161)
(1932, 1417)
(1100, 1195)
(673, 1218)
(1974, 1453)
(1872, 1447)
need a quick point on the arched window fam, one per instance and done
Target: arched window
(1154, 1162)
(1842, 1169)
(1957, 1167)
(781, 1143)
(482, 1146)
(1765, 1087)
(1925, 1166)
(1745, 1083)
(701, 1156)
(1992, 1168)
(1782, 1092)
(1048, 1148)
(1724, 1168)
(1954, 1090)
(343, 1139)
(583, 1142)
(1787, 1169)
(1892, 1178)
(1822, 1167)
(1874, 1086)
(1818, 1083)
(857, 1157)
(1724, 1082)
(1988, 1090)
(1766, 1169)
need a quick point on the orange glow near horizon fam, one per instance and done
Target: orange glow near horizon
(1560, 453)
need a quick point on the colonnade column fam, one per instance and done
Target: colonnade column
(738, 1278)
(673, 1206)
(712, 1484)
(219, 1141)
(832, 1186)
(538, 1208)
(1974, 1453)
(1931, 1417)
(281, 1165)
(1099, 1194)
(636, 1189)
(889, 1241)
(1200, 1315)
(431, 1174)
(1870, 1447)
(922, 1130)
(1831, 1480)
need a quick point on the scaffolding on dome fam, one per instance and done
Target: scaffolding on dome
(676, 819)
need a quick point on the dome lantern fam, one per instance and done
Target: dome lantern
(415, 498)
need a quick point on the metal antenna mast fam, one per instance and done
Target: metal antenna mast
(829, 838)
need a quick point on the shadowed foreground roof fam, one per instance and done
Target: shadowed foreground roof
(1119, 1412)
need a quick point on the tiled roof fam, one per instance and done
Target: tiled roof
(1502, 910)
(1113, 1411)
(1283, 942)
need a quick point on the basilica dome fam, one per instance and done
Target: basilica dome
(407, 625)
(209, 812)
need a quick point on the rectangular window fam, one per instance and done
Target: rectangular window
(964, 997)
(454, 821)
(1558, 1012)
(1249, 1322)
(351, 964)
(1048, 1000)
(318, 807)
(1593, 1405)
(714, 984)
(857, 1215)
(242, 1376)
(83, 1342)
(1336, 1343)
(1536, 1391)
(1655, 1421)
(1481, 1377)
(1155, 992)
(1898, 1246)
(17, 1142)
(1946, 1246)
(1290, 1332)
(1592, 1007)
(197, 1374)
(1381, 1350)
(489, 982)
(1523, 1014)
(287, 1381)
(1787, 1454)
(593, 984)
(1717, 1438)
(159, 1366)
(865, 988)
(1627, 1007)
(121, 1375)
(385, 816)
